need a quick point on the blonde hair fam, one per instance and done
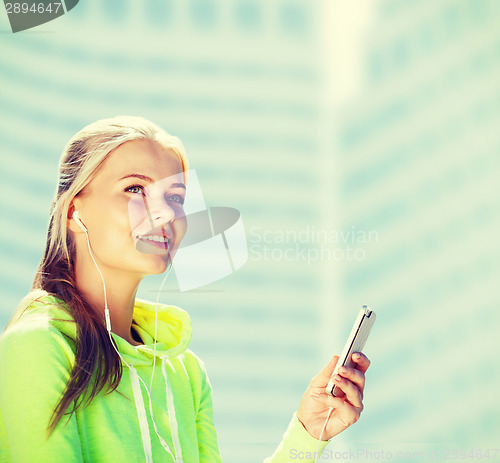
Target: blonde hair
(97, 365)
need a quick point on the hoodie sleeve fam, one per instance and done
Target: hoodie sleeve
(296, 444)
(35, 364)
(207, 436)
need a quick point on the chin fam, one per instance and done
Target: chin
(161, 265)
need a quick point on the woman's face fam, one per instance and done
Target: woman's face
(133, 208)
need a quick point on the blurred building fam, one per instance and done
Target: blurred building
(418, 154)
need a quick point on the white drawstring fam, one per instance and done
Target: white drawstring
(141, 413)
(135, 378)
(171, 413)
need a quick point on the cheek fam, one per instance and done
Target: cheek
(137, 212)
(180, 227)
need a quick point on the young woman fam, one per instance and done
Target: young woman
(88, 372)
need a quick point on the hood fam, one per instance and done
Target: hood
(173, 333)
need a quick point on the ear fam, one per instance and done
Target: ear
(70, 221)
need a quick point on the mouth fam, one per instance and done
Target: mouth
(158, 241)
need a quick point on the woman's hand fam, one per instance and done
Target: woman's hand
(313, 408)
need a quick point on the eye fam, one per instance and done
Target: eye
(176, 199)
(135, 189)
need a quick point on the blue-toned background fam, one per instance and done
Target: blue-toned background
(361, 145)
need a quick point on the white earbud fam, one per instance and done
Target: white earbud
(76, 216)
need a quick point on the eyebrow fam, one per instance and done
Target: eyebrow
(150, 180)
(143, 177)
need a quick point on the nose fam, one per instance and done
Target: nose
(160, 213)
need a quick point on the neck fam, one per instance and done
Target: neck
(121, 289)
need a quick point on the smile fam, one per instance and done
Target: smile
(155, 240)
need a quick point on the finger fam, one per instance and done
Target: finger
(361, 360)
(347, 413)
(353, 394)
(322, 378)
(355, 376)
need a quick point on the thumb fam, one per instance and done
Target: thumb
(322, 378)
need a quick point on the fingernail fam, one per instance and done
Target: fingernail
(315, 394)
(342, 370)
(357, 356)
(337, 378)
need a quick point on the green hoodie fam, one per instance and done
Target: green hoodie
(37, 353)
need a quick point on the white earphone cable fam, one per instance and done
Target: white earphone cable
(317, 455)
(156, 323)
(106, 311)
(108, 328)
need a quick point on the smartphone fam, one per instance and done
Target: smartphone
(355, 343)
